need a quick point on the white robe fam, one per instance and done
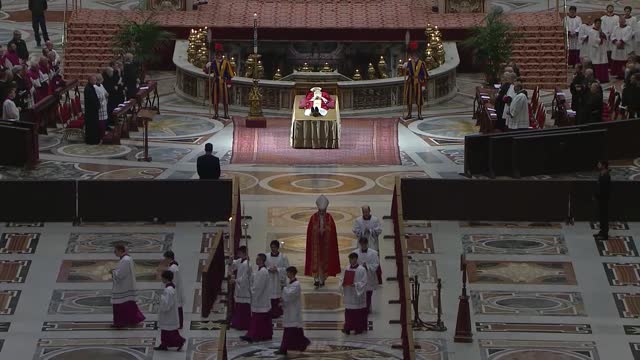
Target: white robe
(583, 41)
(102, 98)
(370, 229)
(292, 305)
(177, 281)
(505, 113)
(124, 281)
(260, 291)
(519, 109)
(598, 52)
(168, 310)
(609, 23)
(573, 27)
(354, 297)
(371, 258)
(10, 110)
(625, 34)
(277, 279)
(242, 292)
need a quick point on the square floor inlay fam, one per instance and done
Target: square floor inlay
(9, 301)
(104, 242)
(635, 350)
(425, 269)
(531, 349)
(528, 303)
(521, 272)
(514, 244)
(14, 271)
(100, 270)
(125, 348)
(419, 243)
(617, 246)
(628, 304)
(19, 243)
(207, 242)
(91, 302)
(622, 274)
(93, 326)
(613, 225)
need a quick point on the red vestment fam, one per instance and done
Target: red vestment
(322, 249)
(307, 102)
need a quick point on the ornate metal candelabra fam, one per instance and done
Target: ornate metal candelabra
(437, 325)
(255, 117)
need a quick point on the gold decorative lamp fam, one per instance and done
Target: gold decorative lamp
(382, 68)
(326, 68)
(357, 75)
(371, 72)
(305, 68)
(277, 75)
(400, 68)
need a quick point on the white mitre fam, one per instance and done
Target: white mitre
(314, 89)
(322, 202)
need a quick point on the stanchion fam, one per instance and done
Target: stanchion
(463, 323)
(437, 325)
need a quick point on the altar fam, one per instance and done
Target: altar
(311, 132)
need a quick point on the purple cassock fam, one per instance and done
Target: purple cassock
(241, 316)
(293, 339)
(127, 314)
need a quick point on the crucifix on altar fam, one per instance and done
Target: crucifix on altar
(255, 119)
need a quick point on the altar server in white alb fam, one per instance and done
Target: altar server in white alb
(609, 23)
(293, 336)
(277, 264)
(573, 23)
(168, 320)
(123, 296)
(354, 290)
(622, 39)
(170, 260)
(260, 327)
(368, 226)
(598, 52)
(633, 23)
(370, 261)
(241, 316)
(583, 41)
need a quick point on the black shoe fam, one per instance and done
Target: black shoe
(348, 332)
(322, 284)
(408, 117)
(281, 352)
(161, 348)
(316, 284)
(246, 338)
(601, 236)
(180, 347)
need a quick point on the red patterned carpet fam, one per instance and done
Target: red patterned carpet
(363, 142)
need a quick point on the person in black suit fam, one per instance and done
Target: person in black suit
(208, 164)
(130, 76)
(602, 196)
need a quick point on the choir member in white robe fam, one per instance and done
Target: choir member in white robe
(168, 320)
(277, 264)
(633, 23)
(511, 93)
(572, 23)
(598, 44)
(609, 23)
(260, 328)
(241, 280)
(123, 296)
(354, 297)
(9, 109)
(293, 336)
(368, 226)
(622, 39)
(370, 261)
(172, 264)
(583, 42)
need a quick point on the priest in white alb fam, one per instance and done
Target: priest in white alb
(609, 23)
(123, 295)
(293, 336)
(260, 327)
(241, 280)
(168, 320)
(370, 261)
(598, 52)
(572, 23)
(368, 226)
(583, 41)
(622, 39)
(277, 264)
(354, 297)
(170, 260)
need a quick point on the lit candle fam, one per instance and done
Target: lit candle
(255, 33)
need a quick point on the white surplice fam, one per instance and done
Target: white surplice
(511, 92)
(371, 258)
(354, 297)
(292, 305)
(260, 291)
(583, 41)
(370, 229)
(598, 51)
(124, 281)
(609, 24)
(168, 310)
(573, 27)
(519, 111)
(242, 293)
(279, 278)
(624, 34)
(177, 281)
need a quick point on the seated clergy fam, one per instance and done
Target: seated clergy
(317, 102)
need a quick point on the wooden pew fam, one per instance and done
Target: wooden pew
(122, 116)
(31, 153)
